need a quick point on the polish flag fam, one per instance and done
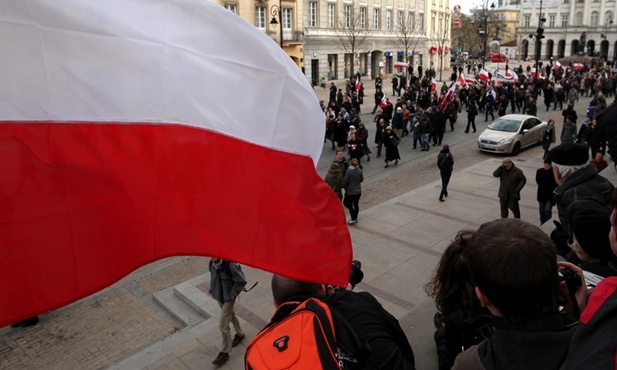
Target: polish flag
(357, 84)
(433, 84)
(557, 65)
(461, 79)
(484, 75)
(510, 74)
(534, 72)
(134, 130)
(450, 94)
(471, 81)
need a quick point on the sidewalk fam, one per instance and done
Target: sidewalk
(399, 243)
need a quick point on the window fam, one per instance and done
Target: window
(566, 1)
(362, 18)
(433, 26)
(595, 17)
(564, 20)
(232, 8)
(608, 18)
(526, 20)
(260, 17)
(376, 15)
(551, 20)
(399, 21)
(421, 22)
(312, 19)
(287, 24)
(580, 1)
(331, 15)
(347, 15)
(388, 20)
(410, 22)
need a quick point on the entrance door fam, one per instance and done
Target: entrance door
(315, 71)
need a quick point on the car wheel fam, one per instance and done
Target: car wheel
(516, 149)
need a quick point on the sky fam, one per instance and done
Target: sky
(467, 5)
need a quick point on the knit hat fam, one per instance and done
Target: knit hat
(590, 224)
(446, 147)
(569, 154)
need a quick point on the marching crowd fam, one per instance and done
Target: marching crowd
(503, 300)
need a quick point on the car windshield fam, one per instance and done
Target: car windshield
(506, 125)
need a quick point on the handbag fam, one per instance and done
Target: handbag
(395, 141)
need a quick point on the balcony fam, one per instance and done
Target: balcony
(289, 36)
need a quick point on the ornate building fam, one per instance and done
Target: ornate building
(571, 27)
(343, 37)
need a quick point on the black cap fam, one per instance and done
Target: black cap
(356, 274)
(569, 154)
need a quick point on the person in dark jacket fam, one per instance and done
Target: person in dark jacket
(512, 264)
(472, 112)
(334, 179)
(511, 182)
(546, 185)
(353, 190)
(445, 163)
(226, 283)
(390, 141)
(373, 325)
(548, 137)
(593, 344)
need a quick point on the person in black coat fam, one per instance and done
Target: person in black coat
(445, 163)
(472, 112)
(546, 185)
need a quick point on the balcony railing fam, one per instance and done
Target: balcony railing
(288, 35)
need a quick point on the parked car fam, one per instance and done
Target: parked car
(496, 57)
(511, 133)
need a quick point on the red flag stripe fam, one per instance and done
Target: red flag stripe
(137, 216)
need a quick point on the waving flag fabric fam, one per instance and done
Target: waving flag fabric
(133, 130)
(461, 79)
(433, 84)
(484, 75)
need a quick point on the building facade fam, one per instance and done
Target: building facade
(279, 19)
(343, 37)
(571, 27)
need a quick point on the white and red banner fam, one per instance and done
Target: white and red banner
(401, 64)
(357, 84)
(557, 65)
(134, 130)
(484, 75)
(433, 84)
(461, 79)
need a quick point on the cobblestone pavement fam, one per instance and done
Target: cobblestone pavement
(109, 326)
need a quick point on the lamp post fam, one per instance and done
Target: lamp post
(539, 36)
(483, 30)
(607, 24)
(276, 11)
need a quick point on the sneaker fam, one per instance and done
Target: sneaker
(352, 222)
(237, 339)
(221, 359)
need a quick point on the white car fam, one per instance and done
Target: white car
(511, 133)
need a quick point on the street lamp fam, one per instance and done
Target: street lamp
(539, 36)
(607, 24)
(275, 11)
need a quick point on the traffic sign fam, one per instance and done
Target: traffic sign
(456, 22)
(457, 8)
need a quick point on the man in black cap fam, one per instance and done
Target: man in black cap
(577, 180)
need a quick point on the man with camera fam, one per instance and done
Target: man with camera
(513, 265)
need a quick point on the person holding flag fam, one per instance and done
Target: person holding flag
(489, 103)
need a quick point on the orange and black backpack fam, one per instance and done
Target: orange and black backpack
(306, 335)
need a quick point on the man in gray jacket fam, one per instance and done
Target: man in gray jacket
(511, 182)
(226, 282)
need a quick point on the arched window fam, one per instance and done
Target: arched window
(595, 19)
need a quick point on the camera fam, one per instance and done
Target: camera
(571, 278)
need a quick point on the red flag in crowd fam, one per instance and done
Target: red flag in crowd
(121, 143)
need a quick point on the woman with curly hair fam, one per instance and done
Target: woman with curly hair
(461, 322)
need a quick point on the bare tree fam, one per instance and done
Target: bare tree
(407, 37)
(443, 37)
(353, 33)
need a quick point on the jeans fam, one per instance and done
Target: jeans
(546, 211)
(424, 141)
(352, 203)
